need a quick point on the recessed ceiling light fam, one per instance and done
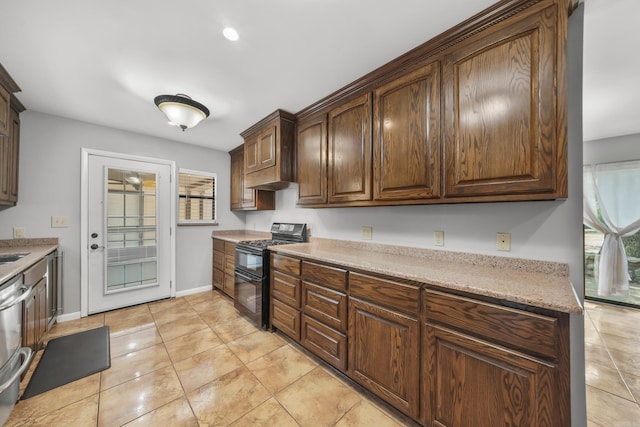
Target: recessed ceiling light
(230, 34)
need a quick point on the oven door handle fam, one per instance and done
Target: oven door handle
(25, 352)
(247, 277)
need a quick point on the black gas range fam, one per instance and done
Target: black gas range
(252, 288)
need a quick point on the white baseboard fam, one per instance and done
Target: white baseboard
(193, 291)
(68, 317)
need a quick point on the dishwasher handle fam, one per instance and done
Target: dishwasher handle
(26, 293)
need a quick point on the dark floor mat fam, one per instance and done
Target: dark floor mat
(70, 358)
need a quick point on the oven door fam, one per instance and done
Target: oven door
(249, 261)
(248, 297)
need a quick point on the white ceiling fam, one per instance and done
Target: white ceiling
(103, 62)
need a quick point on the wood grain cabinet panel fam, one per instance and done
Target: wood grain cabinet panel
(285, 318)
(500, 110)
(325, 304)
(327, 343)
(469, 382)
(399, 296)
(350, 151)
(286, 288)
(5, 115)
(311, 160)
(384, 353)
(286, 264)
(406, 141)
(323, 275)
(243, 198)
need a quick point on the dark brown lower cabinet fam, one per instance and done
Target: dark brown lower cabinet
(471, 382)
(286, 319)
(324, 341)
(384, 353)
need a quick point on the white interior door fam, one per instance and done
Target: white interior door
(129, 232)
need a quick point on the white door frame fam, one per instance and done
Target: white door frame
(84, 220)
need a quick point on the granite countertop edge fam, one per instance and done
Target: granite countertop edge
(235, 236)
(539, 284)
(36, 250)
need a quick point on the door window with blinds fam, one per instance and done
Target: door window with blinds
(196, 197)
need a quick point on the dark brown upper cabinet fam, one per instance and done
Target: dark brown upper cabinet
(349, 177)
(243, 198)
(268, 152)
(10, 109)
(311, 160)
(503, 139)
(406, 141)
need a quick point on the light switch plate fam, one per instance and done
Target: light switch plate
(19, 232)
(59, 221)
(366, 233)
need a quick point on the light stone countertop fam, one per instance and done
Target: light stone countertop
(35, 248)
(540, 284)
(236, 236)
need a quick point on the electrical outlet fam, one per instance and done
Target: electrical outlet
(19, 232)
(503, 241)
(366, 233)
(58, 221)
(438, 238)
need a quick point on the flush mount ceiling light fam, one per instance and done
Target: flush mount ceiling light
(230, 34)
(181, 110)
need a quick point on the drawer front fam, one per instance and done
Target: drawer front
(324, 304)
(34, 273)
(528, 332)
(229, 248)
(401, 296)
(286, 264)
(218, 260)
(325, 342)
(229, 264)
(218, 278)
(218, 245)
(329, 277)
(229, 284)
(285, 318)
(286, 288)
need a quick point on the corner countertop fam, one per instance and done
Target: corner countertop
(236, 236)
(540, 284)
(36, 249)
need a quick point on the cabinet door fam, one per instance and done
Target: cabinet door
(311, 158)
(5, 169)
(237, 181)
(384, 353)
(406, 142)
(469, 382)
(350, 151)
(267, 146)
(251, 153)
(500, 111)
(5, 119)
(14, 149)
(41, 310)
(29, 323)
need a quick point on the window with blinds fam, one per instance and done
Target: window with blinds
(196, 197)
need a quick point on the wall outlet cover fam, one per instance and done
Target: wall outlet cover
(503, 241)
(366, 233)
(438, 238)
(19, 232)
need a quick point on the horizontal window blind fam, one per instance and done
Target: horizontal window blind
(196, 197)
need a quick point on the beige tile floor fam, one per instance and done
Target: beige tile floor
(193, 361)
(612, 359)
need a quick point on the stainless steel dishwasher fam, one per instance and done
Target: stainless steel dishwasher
(14, 358)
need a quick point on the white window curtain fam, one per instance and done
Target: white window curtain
(612, 206)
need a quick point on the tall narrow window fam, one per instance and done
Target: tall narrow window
(196, 197)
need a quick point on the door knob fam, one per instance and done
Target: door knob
(94, 235)
(95, 246)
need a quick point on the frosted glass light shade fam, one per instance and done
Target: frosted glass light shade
(181, 110)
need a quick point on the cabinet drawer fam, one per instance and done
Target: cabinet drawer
(401, 296)
(330, 277)
(325, 304)
(229, 284)
(286, 288)
(218, 245)
(34, 273)
(218, 278)
(285, 318)
(229, 264)
(229, 248)
(325, 342)
(286, 264)
(528, 332)
(218, 260)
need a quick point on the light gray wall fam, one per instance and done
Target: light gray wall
(49, 184)
(616, 149)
